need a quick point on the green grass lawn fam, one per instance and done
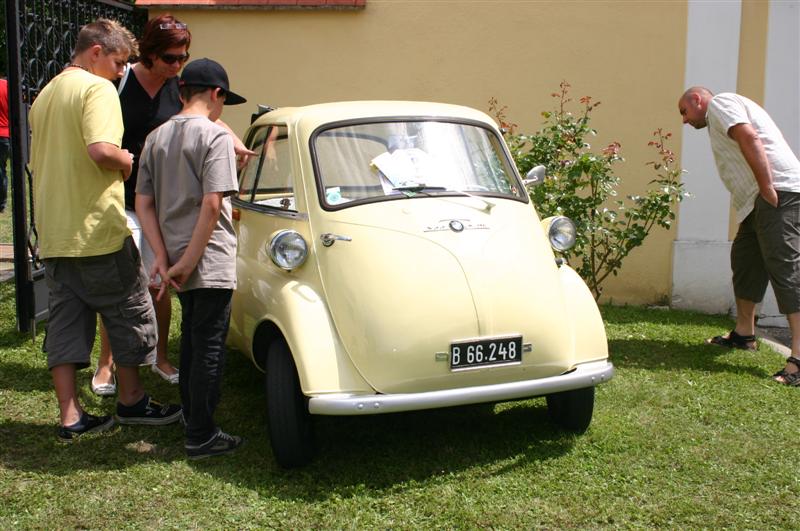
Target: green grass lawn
(686, 436)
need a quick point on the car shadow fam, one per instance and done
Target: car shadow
(393, 451)
(380, 451)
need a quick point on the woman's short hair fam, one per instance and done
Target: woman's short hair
(112, 37)
(160, 34)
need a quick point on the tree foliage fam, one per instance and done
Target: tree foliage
(581, 184)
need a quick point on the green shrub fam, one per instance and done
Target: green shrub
(582, 185)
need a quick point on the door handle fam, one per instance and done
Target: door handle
(328, 238)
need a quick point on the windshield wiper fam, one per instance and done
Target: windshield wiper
(409, 189)
(416, 188)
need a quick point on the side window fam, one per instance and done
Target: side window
(247, 175)
(267, 179)
(274, 185)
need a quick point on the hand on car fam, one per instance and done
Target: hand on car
(242, 153)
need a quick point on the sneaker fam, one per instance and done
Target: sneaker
(148, 411)
(87, 424)
(219, 444)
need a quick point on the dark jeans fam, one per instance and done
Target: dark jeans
(4, 151)
(206, 313)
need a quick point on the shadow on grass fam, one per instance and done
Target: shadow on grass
(385, 452)
(22, 377)
(34, 448)
(380, 451)
(622, 315)
(682, 347)
(353, 453)
(671, 355)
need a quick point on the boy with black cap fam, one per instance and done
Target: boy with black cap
(186, 177)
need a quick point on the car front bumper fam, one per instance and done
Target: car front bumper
(584, 375)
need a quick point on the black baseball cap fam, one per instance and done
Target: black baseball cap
(206, 72)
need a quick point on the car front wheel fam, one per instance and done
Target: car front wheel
(572, 410)
(290, 428)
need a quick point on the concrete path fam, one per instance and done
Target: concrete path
(779, 339)
(6, 261)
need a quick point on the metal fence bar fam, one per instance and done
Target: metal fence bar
(41, 35)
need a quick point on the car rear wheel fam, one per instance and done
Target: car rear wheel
(572, 410)
(290, 428)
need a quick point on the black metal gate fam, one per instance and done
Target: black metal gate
(41, 35)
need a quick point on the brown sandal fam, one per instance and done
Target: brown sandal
(734, 340)
(786, 378)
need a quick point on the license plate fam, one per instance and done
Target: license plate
(485, 352)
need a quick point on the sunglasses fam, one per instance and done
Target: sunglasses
(173, 25)
(172, 58)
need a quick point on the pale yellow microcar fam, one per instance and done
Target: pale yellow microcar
(391, 260)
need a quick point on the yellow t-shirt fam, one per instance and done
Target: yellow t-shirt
(79, 206)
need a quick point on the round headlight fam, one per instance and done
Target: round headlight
(562, 234)
(288, 250)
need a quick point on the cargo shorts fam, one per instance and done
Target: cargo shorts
(115, 287)
(767, 248)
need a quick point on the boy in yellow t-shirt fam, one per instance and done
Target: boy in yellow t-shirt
(91, 264)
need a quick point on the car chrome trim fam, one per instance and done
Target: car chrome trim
(272, 211)
(273, 243)
(329, 238)
(584, 375)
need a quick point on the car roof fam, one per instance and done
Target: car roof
(308, 118)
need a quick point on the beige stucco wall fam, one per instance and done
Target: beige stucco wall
(629, 55)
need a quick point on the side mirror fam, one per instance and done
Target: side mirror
(535, 176)
(262, 109)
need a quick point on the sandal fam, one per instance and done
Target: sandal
(735, 340)
(790, 379)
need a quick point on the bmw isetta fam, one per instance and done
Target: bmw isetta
(391, 260)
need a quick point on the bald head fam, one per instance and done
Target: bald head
(693, 106)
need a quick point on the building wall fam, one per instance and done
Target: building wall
(632, 56)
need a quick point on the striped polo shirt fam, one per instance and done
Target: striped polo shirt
(726, 110)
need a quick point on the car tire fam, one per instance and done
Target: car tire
(290, 427)
(572, 410)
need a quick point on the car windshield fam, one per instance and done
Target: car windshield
(398, 160)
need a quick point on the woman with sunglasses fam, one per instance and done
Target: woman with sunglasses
(149, 96)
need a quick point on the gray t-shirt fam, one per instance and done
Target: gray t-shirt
(183, 159)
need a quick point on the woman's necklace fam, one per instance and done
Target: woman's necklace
(77, 66)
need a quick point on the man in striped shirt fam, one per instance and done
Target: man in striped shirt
(763, 176)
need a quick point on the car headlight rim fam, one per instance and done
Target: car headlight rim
(288, 249)
(562, 233)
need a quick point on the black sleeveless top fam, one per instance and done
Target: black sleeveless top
(140, 115)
